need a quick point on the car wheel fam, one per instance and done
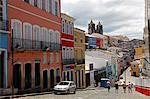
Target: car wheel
(74, 91)
(55, 93)
(68, 91)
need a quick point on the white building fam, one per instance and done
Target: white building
(96, 62)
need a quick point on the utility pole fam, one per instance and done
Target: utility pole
(12, 62)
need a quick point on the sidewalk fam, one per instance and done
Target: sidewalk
(24, 95)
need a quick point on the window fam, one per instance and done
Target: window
(17, 28)
(35, 3)
(63, 26)
(50, 5)
(67, 28)
(56, 8)
(27, 31)
(1, 10)
(57, 57)
(72, 28)
(44, 58)
(43, 5)
(51, 58)
(51, 35)
(57, 38)
(45, 35)
(26, 1)
(36, 33)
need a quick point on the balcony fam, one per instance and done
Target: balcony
(27, 44)
(4, 25)
(81, 61)
(68, 61)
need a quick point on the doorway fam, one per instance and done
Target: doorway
(17, 76)
(28, 76)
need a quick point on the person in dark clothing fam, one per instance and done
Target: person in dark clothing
(116, 87)
(124, 87)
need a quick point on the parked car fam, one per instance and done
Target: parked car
(65, 87)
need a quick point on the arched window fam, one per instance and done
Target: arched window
(50, 6)
(56, 8)
(45, 34)
(17, 28)
(27, 31)
(36, 33)
(1, 10)
(43, 4)
(57, 37)
(51, 35)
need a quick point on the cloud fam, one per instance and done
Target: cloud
(125, 17)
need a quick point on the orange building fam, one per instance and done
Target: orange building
(35, 29)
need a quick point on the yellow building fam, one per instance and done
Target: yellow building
(135, 68)
(139, 53)
(79, 48)
(139, 61)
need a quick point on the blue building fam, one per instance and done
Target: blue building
(3, 44)
(92, 42)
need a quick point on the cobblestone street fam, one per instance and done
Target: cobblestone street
(92, 94)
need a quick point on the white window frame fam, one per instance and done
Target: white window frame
(36, 35)
(12, 27)
(29, 36)
(57, 7)
(43, 34)
(51, 33)
(44, 6)
(50, 9)
(57, 36)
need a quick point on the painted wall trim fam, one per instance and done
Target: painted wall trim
(33, 14)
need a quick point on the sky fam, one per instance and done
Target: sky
(118, 17)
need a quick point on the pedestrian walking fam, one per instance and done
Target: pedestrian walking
(132, 87)
(124, 87)
(116, 87)
(129, 87)
(108, 86)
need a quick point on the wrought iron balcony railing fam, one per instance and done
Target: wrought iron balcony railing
(68, 61)
(4, 25)
(27, 44)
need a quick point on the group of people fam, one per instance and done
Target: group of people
(130, 86)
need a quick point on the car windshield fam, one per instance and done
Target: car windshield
(63, 83)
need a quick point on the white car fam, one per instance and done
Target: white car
(65, 87)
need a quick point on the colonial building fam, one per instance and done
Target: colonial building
(146, 37)
(3, 44)
(79, 52)
(35, 28)
(68, 47)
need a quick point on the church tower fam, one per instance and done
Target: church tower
(91, 27)
(99, 28)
